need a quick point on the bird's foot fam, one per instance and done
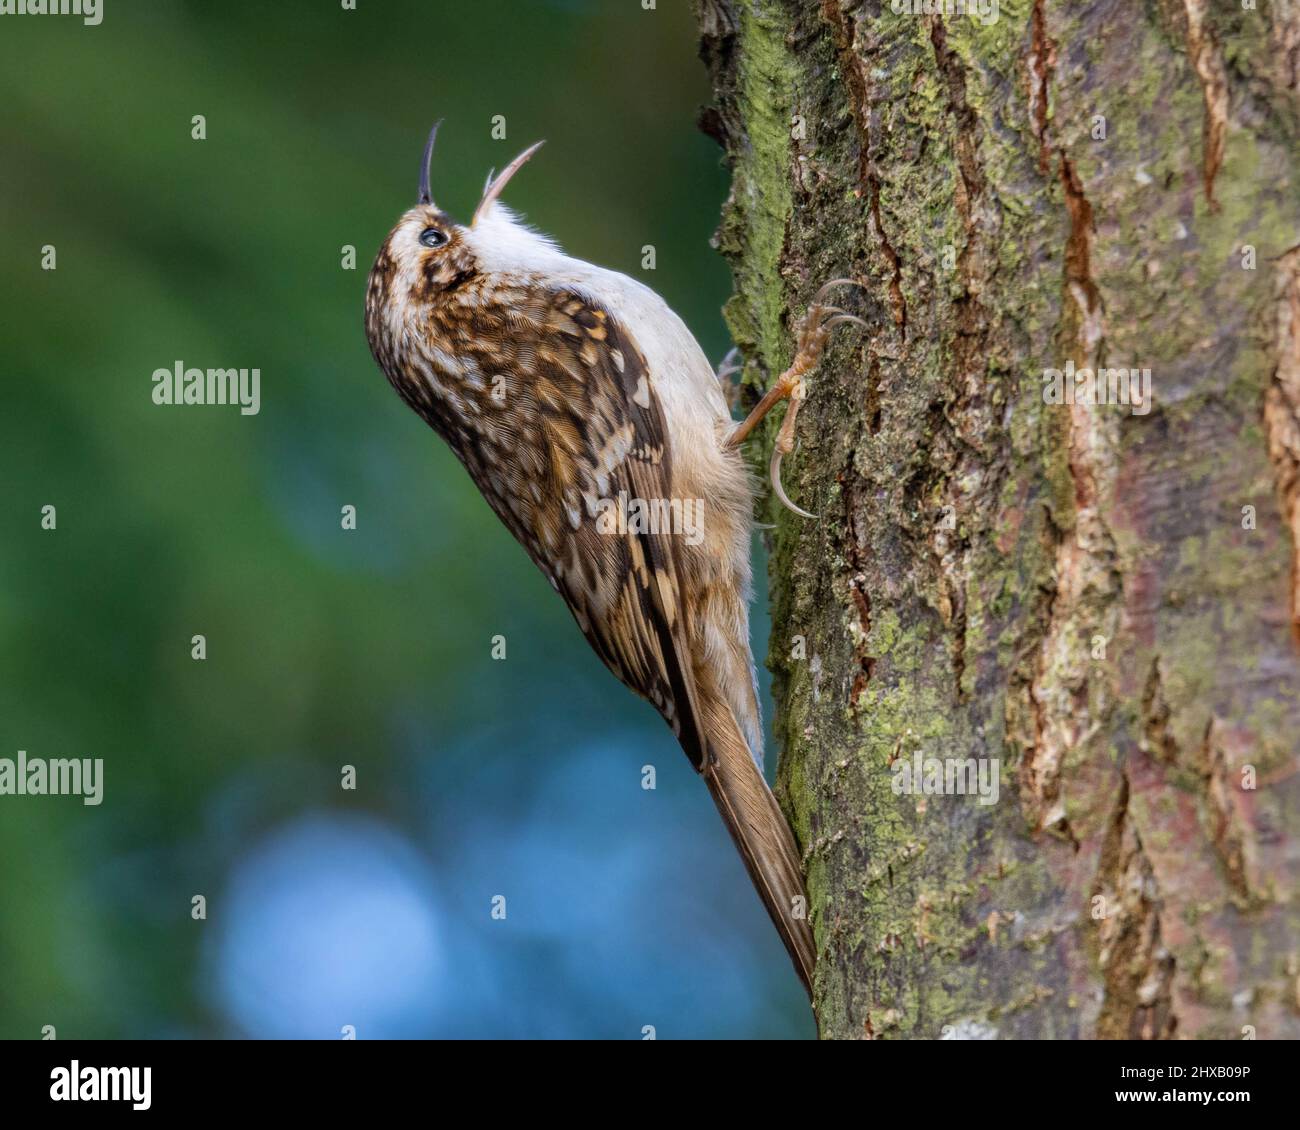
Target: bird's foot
(811, 336)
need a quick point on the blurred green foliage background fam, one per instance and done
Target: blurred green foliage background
(326, 647)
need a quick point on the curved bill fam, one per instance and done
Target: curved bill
(494, 188)
(425, 196)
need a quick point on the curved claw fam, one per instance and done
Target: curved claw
(835, 321)
(827, 287)
(779, 490)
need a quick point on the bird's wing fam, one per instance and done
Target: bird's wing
(587, 438)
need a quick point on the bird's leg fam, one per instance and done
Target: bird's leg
(812, 334)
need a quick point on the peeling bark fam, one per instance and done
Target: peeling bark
(1102, 601)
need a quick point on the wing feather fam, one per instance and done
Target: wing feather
(596, 440)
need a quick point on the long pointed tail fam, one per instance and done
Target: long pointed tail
(761, 834)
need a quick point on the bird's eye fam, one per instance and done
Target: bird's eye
(433, 237)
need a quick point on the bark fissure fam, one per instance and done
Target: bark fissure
(1206, 772)
(1282, 414)
(1284, 27)
(1039, 65)
(1207, 60)
(858, 82)
(1086, 586)
(977, 465)
(1137, 968)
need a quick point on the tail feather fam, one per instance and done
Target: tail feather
(759, 829)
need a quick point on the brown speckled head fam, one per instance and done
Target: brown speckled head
(425, 255)
(429, 279)
(428, 255)
(442, 296)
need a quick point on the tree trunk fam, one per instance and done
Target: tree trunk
(1101, 599)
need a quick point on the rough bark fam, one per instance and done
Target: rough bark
(1074, 591)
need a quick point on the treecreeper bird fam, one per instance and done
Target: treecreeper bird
(562, 387)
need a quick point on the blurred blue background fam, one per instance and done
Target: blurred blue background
(476, 777)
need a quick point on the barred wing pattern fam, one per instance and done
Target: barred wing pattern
(567, 426)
